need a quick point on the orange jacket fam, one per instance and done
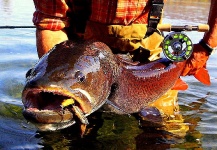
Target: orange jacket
(56, 14)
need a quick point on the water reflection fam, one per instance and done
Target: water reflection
(106, 131)
(15, 132)
(111, 131)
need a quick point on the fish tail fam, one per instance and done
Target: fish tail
(180, 85)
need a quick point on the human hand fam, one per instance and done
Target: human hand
(196, 64)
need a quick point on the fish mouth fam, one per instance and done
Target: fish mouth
(53, 109)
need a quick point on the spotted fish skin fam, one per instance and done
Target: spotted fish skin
(88, 74)
(139, 85)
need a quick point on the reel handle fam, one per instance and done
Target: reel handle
(177, 46)
(169, 27)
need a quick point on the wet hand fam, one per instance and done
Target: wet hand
(197, 61)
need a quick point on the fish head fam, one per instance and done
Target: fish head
(71, 75)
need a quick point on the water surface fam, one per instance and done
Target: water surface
(18, 54)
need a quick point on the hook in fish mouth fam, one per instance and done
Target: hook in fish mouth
(53, 109)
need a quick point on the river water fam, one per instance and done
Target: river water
(18, 53)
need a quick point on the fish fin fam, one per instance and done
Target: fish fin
(126, 59)
(202, 75)
(83, 129)
(180, 85)
(150, 116)
(116, 107)
(80, 115)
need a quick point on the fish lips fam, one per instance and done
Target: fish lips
(47, 120)
(43, 107)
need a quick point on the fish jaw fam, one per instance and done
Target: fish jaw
(47, 120)
(84, 69)
(43, 107)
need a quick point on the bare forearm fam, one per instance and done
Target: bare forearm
(46, 39)
(211, 37)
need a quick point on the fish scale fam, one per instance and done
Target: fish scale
(112, 81)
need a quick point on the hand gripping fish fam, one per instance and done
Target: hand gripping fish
(74, 79)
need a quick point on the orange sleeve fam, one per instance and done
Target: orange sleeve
(211, 36)
(51, 14)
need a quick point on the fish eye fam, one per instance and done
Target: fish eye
(80, 76)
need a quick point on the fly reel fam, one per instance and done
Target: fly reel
(177, 46)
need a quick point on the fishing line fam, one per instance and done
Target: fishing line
(16, 27)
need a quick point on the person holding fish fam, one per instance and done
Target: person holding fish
(127, 27)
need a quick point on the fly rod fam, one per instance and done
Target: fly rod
(16, 27)
(163, 27)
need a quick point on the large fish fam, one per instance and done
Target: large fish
(77, 78)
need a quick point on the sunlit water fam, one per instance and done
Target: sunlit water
(18, 54)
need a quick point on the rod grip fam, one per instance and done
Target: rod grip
(203, 28)
(169, 27)
(164, 27)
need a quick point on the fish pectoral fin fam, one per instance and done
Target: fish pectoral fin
(80, 115)
(180, 85)
(202, 75)
(83, 119)
(116, 107)
(126, 59)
